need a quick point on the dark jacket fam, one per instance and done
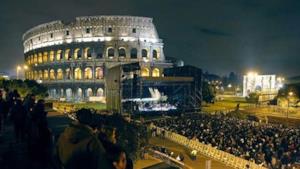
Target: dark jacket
(79, 148)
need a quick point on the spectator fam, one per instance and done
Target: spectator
(18, 116)
(78, 147)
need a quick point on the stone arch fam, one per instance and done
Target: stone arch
(59, 75)
(68, 73)
(144, 53)
(40, 75)
(45, 57)
(88, 73)
(100, 92)
(51, 56)
(40, 57)
(77, 53)
(68, 54)
(155, 54)
(69, 94)
(98, 73)
(88, 92)
(46, 74)
(122, 52)
(110, 52)
(52, 74)
(59, 54)
(79, 94)
(145, 72)
(87, 53)
(53, 93)
(155, 72)
(77, 74)
(133, 53)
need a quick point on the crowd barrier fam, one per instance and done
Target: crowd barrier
(167, 159)
(211, 152)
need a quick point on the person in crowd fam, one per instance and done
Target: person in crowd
(116, 157)
(78, 146)
(266, 144)
(18, 116)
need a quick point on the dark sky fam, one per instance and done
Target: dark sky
(217, 35)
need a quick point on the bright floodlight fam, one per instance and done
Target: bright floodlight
(19, 68)
(252, 74)
(291, 93)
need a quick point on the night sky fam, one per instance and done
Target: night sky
(219, 36)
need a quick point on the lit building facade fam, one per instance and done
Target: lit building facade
(72, 58)
(264, 84)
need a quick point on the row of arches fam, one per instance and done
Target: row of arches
(89, 53)
(78, 94)
(87, 73)
(79, 74)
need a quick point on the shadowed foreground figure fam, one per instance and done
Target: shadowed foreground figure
(78, 147)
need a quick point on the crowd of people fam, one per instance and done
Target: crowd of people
(83, 144)
(29, 120)
(270, 145)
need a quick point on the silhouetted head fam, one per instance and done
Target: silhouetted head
(85, 116)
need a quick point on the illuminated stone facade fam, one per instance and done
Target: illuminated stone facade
(71, 58)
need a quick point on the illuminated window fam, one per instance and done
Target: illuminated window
(99, 73)
(40, 75)
(45, 57)
(51, 57)
(122, 52)
(144, 53)
(77, 53)
(145, 72)
(35, 58)
(59, 75)
(40, 58)
(88, 74)
(87, 53)
(52, 74)
(46, 75)
(89, 92)
(68, 74)
(110, 53)
(77, 74)
(59, 55)
(67, 54)
(100, 92)
(155, 72)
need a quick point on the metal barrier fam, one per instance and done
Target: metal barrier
(211, 152)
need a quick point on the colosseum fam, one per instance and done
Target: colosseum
(71, 58)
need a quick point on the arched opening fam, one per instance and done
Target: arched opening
(155, 72)
(110, 53)
(99, 73)
(51, 56)
(133, 53)
(144, 53)
(40, 58)
(40, 75)
(46, 75)
(52, 74)
(87, 53)
(100, 92)
(77, 53)
(61, 93)
(154, 54)
(79, 94)
(59, 55)
(32, 59)
(69, 94)
(88, 74)
(145, 72)
(122, 52)
(89, 92)
(68, 74)
(53, 93)
(59, 75)
(67, 54)
(35, 58)
(45, 57)
(77, 74)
